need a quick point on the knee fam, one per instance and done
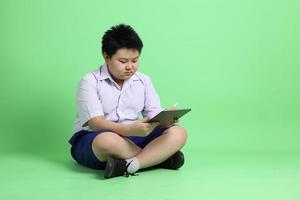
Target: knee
(179, 133)
(105, 142)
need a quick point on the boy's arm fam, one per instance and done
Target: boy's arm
(152, 101)
(139, 128)
(99, 123)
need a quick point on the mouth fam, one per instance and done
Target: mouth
(128, 73)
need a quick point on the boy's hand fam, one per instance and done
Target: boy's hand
(142, 127)
(173, 107)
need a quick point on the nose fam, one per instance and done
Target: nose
(129, 66)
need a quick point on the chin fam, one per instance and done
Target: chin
(127, 77)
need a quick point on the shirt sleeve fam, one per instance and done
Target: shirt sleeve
(88, 103)
(152, 100)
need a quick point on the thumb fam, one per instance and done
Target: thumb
(173, 107)
(156, 124)
(145, 120)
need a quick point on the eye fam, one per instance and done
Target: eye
(122, 61)
(134, 61)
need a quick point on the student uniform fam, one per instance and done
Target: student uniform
(99, 95)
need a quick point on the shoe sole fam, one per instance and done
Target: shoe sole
(181, 157)
(110, 165)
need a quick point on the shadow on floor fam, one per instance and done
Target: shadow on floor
(65, 161)
(77, 168)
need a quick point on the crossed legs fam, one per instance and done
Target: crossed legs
(161, 148)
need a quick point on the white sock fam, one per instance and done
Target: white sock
(134, 165)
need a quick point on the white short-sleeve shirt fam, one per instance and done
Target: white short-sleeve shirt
(99, 95)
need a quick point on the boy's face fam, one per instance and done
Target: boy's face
(123, 64)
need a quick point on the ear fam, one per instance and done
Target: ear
(105, 57)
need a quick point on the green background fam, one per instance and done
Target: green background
(235, 63)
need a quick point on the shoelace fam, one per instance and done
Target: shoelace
(127, 174)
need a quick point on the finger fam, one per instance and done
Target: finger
(154, 123)
(145, 120)
(149, 126)
(174, 107)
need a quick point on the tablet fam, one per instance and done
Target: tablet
(167, 117)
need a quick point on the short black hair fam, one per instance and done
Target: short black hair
(120, 36)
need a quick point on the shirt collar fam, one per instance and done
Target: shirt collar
(104, 74)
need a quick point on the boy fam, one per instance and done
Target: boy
(108, 133)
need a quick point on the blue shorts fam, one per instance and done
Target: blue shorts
(82, 152)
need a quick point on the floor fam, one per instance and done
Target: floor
(204, 176)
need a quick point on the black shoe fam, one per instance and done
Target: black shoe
(116, 167)
(174, 162)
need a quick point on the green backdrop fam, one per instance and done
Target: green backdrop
(235, 63)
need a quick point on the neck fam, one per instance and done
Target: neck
(120, 83)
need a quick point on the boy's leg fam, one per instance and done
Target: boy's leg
(161, 148)
(132, 157)
(111, 144)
